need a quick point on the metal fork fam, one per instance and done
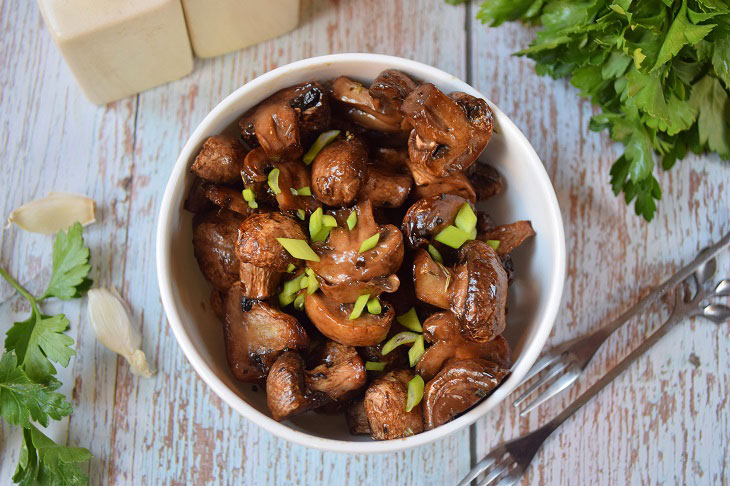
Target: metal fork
(564, 363)
(508, 462)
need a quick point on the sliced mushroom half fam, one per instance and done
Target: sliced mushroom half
(341, 373)
(510, 236)
(214, 236)
(428, 216)
(385, 407)
(378, 112)
(442, 351)
(287, 394)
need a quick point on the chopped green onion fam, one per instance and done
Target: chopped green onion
(322, 141)
(473, 234)
(299, 302)
(359, 306)
(304, 191)
(324, 232)
(298, 249)
(452, 236)
(352, 220)
(293, 191)
(374, 306)
(313, 282)
(416, 351)
(315, 222)
(435, 254)
(286, 299)
(370, 243)
(291, 268)
(274, 181)
(292, 286)
(466, 219)
(248, 195)
(400, 338)
(375, 365)
(494, 244)
(304, 282)
(415, 392)
(301, 214)
(410, 320)
(329, 221)
(253, 204)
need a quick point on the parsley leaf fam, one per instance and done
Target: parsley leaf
(712, 102)
(21, 399)
(42, 461)
(70, 265)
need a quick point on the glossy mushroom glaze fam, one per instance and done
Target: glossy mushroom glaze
(350, 269)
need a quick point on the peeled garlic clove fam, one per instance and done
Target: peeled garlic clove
(54, 213)
(113, 328)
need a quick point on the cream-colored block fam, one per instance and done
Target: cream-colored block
(220, 26)
(116, 48)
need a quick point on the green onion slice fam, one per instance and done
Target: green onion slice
(416, 351)
(322, 141)
(374, 306)
(286, 299)
(313, 282)
(293, 191)
(299, 302)
(352, 220)
(298, 249)
(466, 219)
(452, 236)
(494, 244)
(370, 243)
(301, 214)
(375, 365)
(329, 221)
(291, 268)
(359, 306)
(415, 392)
(322, 235)
(304, 191)
(473, 234)
(248, 195)
(315, 222)
(435, 254)
(304, 282)
(292, 286)
(410, 320)
(274, 181)
(400, 338)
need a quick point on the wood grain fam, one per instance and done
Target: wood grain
(666, 420)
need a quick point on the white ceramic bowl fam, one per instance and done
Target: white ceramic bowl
(533, 299)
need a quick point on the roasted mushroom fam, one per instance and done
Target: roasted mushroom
(357, 419)
(432, 280)
(385, 407)
(341, 373)
(286, 120)
(486, 180)
(220, 160)
(510, 236)
(255, 334)
(287, 394)
(263, 259)
(442, 351)
(338, 171)
(214, 236)
(348, 292)
(457, 185)
(227, 198)
(448, 134)
(428, 216)
(374, 113)
(386, 188)
(458, 387)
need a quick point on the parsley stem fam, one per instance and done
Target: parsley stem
(21, 290)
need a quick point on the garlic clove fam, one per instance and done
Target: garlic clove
(54, 213)
(114, 329)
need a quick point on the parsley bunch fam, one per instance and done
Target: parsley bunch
(27, 375)
(659, 70)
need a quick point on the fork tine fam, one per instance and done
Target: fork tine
(510, 479)
(539, 365)
(483, 465)
(560, 384)
(497, 471)
(552, 372)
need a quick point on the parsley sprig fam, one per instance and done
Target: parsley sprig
(27, 375)
(659, 70)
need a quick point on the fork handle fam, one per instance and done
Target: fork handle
(704, 256)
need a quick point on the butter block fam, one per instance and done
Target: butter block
(116, 48)
(220, 26)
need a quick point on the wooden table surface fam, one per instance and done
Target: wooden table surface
(665, 421)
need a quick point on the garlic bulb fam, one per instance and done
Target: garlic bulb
(113, 327)
(53, 213)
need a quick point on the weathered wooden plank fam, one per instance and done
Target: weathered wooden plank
(665, 420)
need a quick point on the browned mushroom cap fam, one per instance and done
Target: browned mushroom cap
(342, 372)
(391, 87)
(262, 258)
(220, 160)
(385, 407)
(432, 280)
(448, 135)
(332, 318)
(340, 257)
(457, 185)
(428, 216)
(364, 110)
(357, 419)
(486, 180)
(214, 236)
(287, 119)
(479, 292)
(338, 171)
(441, 326)
(286, 392)
(458, 387)
(227, 198)
(497, 351)
(255, 334)
(348, 292)
(386, 188)
(197, 202)
(510, 236)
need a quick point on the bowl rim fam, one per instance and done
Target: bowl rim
(163, 237)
